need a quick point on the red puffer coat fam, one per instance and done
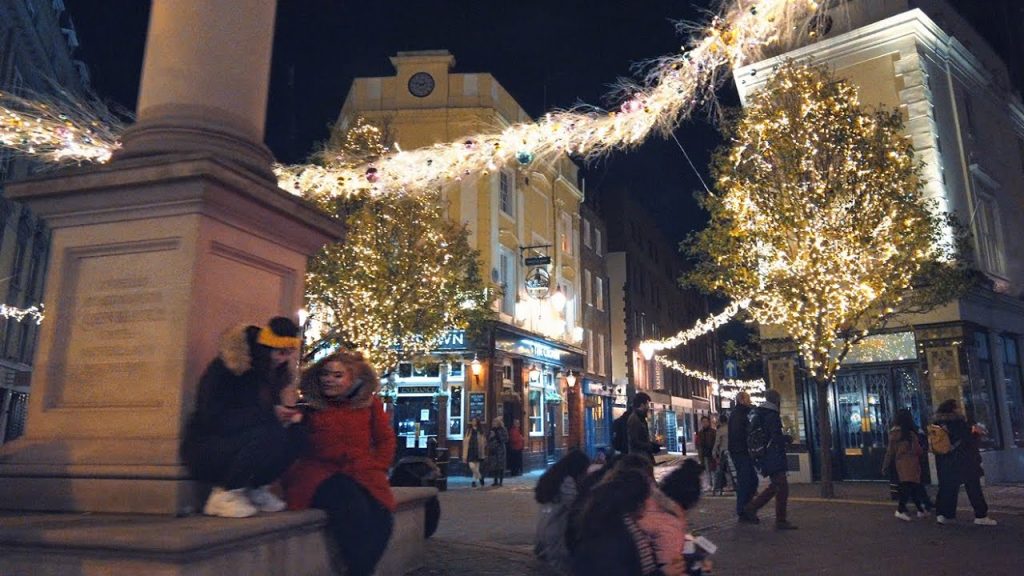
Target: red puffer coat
(343, 439)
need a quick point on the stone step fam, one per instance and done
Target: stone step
(281, 544)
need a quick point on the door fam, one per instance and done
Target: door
(866, 403)
(554, 416)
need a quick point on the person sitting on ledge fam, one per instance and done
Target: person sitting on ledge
(237, 438)
(344, 468)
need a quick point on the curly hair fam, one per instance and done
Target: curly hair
(366, 378)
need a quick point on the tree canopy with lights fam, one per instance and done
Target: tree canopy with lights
(820, 220)
(404, 274)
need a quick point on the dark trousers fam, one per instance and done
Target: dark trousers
(359, 525)
(251, 458)
(779, 489)
(499, 473)
(950, 479)
(515, 462)
(746, 480)
(908, 491)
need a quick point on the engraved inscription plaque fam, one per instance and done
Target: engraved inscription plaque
(117, 323)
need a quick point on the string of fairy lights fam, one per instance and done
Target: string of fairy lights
(669, 90)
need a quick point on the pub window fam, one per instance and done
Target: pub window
(1014, 393)
(980, 401)
(536, 397)
(455, 412)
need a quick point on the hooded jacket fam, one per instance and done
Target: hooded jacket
(966, 457)
(351, 437)
(774, 460)
(232, 396)
(905, 453)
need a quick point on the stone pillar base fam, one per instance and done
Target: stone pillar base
(152, 260)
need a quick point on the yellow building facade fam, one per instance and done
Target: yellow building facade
(513, 212)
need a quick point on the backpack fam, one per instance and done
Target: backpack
(757, 437)
(620, 432)
(938, 440)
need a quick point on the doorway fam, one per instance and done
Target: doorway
(865, 405)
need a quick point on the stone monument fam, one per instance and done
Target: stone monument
(183, 235)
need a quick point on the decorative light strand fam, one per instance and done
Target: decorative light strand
(650, 347)
(724, 387)
(671, 89)
(19, 314)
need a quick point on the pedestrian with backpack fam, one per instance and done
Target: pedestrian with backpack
(770, 459)
(958, 460)
(745, 477)
(904, 453)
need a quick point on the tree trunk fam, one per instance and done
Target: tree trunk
(825, 438)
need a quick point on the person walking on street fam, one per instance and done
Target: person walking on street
(773, 463)
(497, 451)
(961, 464)
(637, 431)
(720, 453)
(904, 452)
(745, 477)
(516, 443)
(706, 449)
(474, 449)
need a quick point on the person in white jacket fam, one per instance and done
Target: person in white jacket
(725, 471)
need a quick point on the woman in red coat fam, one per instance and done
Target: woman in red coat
(344, 469)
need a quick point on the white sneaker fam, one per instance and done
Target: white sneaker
(229, 504)
(902, 516)
(986, 521)
(265, 500)
(943, 520)
(922, 513)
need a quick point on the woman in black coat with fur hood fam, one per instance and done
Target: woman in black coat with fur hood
(237, 438)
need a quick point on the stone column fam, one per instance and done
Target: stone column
(182, 236)
(205, 81)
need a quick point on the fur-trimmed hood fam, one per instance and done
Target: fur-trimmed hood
(235, 351)
(368, 382)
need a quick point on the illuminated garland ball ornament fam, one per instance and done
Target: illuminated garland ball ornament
(372, 176)
(469, 144)
(538, 284)
(632, 105)
(524, 157)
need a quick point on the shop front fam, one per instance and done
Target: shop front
(532, 381)
(598, 398)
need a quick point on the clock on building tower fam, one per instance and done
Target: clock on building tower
(421, 84)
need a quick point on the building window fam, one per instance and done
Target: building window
(597, 241)
(980, 400)
(599, 355)
(565, 234)
(1013, 382)
(599, 292)
(536, 397)
(587, 288)
(508, 193)
(509, 286)
(988, 236)
(565, 412)
(455, 412)
(586, 233)
(591, 366)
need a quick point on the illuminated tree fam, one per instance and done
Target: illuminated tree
(820, 219)
(404, 274)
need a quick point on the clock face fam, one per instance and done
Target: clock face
(421, 84)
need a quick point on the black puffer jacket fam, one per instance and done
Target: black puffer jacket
(232, 395)
(739, 425)
(774, 460)
(966, 457)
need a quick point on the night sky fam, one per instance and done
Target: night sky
(546, 53)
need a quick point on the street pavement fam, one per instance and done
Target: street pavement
(489, 531)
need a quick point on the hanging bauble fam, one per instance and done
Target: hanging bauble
(524, 157)
(371, 175)
(632, 105)
(469, 144)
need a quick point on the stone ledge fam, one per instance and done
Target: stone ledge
(286, 543)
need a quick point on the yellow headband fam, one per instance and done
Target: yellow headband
(271, 340)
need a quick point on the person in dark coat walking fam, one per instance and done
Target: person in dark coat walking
(638, 432)
(962, 465)
(773, 464)
(497, 451)
(237, 438)
(746, 477)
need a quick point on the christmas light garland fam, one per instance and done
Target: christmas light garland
(724, 387)
(649, 347)
(671, 89)
(19, 314)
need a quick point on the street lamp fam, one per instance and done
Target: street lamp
(570, 379)
(477, 368)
